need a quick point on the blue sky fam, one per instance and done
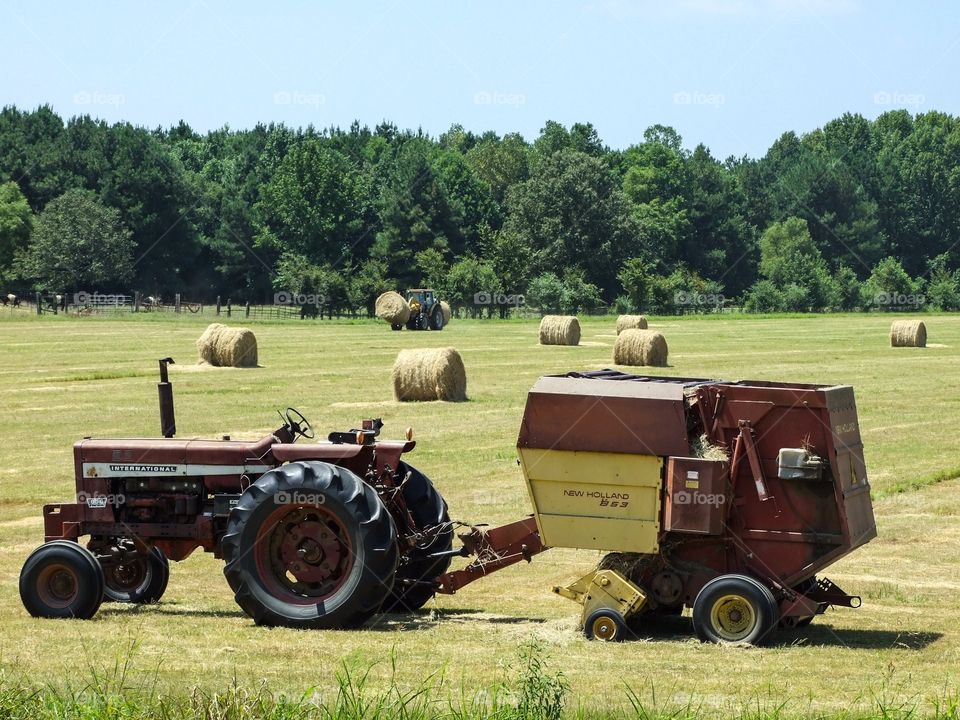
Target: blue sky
(732, 74)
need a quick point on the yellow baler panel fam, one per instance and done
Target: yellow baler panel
(595, 500)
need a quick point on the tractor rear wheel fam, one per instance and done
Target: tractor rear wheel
(138, 579)
(735, 610)
(310, 545)
(429, 510)
(436, 318)
(61, 579)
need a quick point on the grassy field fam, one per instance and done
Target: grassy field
(63, 378)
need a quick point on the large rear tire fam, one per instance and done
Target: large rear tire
(310, 545)
(735, 610)
(61, 579)
(429, 510)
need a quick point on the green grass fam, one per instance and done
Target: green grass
(63, 378)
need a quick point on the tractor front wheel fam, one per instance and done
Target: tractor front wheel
(735, 610)
(61, 579)
(310, 545)
(138, 579)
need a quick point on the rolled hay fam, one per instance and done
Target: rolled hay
(640, 347)
(559, 330)
(393, 308)
(224, 346)
(908, 333)
(631, 322)
(429, 374)
(447, 312)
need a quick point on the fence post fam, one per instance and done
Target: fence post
(39, 306)
(247, 309)
(136, 301)
(218, 304)
(229, 308)
(176, 303)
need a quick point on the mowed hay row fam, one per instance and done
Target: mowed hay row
(447, 312)
(640, 347)
(224, 346)
(429, 374)
(628, 322)
(908, 333)
(393, 308)
(559, 330)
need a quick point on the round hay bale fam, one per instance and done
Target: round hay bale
(429, 374)
(224, 346)
(559, 330)
(640, 347)
(636, 322)
(908, 333)
(447, 312)
(393, 308)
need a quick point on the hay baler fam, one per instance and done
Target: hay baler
(725, 497)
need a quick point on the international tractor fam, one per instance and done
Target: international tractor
(725, 498)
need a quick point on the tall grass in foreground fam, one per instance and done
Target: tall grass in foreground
(531, 692)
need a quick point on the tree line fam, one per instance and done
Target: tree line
(856, 214)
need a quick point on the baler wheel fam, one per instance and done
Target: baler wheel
(428, 509)
(310, 545)
(734, 609)
(141, 580)
(606, 625)
(61, 579)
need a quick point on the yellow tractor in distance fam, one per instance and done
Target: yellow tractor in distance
(426, 312)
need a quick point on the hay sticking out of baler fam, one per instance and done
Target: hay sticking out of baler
(447, 312)
(393, 308)
(559, 330)
(640, 347)
(429, 374)
(223, 346)
(631, 322)
(908, 333)
(701, 447)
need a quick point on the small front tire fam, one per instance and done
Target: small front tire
(605, 625)
(140, 579)
(61, 579)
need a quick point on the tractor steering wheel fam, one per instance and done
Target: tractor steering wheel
(297, 424)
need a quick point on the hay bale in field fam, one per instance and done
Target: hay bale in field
(429, 374)
(908, 333)
(559, 330)
(447, 312)
(224, 346)
(640, 347)
(393, 308)
(631, 322)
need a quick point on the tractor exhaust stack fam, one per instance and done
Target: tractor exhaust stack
(168, 420)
